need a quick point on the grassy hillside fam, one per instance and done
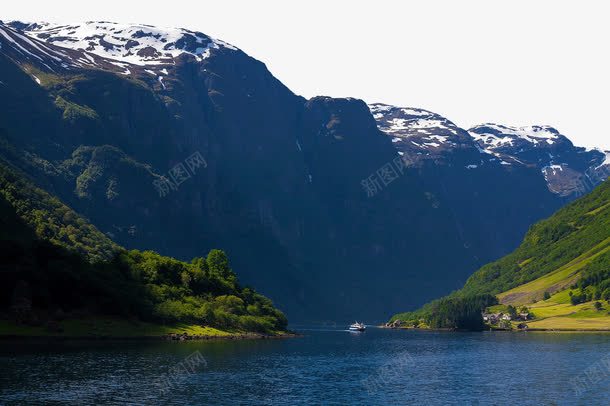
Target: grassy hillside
(559, 272)
(59, 273)
(564, 276)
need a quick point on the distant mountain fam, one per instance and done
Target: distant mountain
(421, 135)
(168, 139)
(568, 170)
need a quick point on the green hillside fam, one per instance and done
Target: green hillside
(59, 273)
(559, 272)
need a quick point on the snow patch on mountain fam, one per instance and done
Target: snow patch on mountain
(427, 128)
(415, 112)
(397, 124)
(33, 51)
(606, 160)
(135, 44)
(495, 135)
(552, 168)
(424, 124)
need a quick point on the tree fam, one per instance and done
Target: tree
(201, 265)
(218, 264)
(185, 277)
(220, 272)
(461, 312)
(578, 298)
(597, 305)
(547, 295)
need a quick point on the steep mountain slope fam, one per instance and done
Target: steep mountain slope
(485, 191)
(170, 140)
(561, 266)
(574, 235)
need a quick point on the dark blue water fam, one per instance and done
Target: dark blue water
(329, 367)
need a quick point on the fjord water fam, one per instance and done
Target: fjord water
(325, 366)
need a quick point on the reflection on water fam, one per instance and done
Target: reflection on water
(325, 366)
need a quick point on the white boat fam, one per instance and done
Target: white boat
(357, 327)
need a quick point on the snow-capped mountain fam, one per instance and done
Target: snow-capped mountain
(420, 136)
(423, 131)
(129, 43)
(497, 136)
(150, 53)
(568, 170)
(19, 47)
(413, 122)
(139, 51)
(98, 113)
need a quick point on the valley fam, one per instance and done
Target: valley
(104, 116)
(304, 203)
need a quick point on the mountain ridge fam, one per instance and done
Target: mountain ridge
(423, 135)
(501, 141)
(283, 175)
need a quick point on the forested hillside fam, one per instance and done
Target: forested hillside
(563, 261)
(54, 262)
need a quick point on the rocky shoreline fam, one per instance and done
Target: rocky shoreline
(241, 336)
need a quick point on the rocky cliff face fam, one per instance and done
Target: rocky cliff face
(174, 141)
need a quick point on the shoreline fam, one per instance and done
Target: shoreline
(533, 329)
(177, 338)
(104, 328)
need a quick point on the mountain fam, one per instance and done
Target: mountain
(568, 170)
(559, 272)
(168, 139)
(56, 266)
(422, 136)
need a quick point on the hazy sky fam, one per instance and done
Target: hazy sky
(511, 62)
